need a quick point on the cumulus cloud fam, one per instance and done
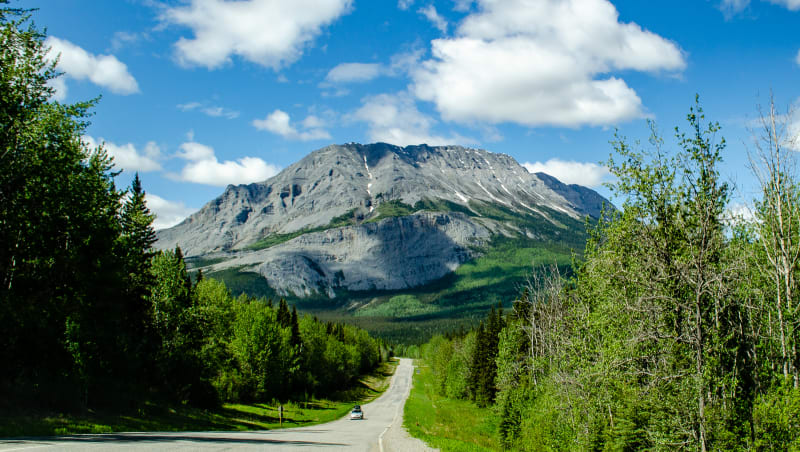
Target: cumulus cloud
(168, 213)
(266, 32)
(542, 63)
(404, 4)
(278, 122)
(354, 72)
(797, 58)
(127, 157)
(571, 172)
(203, 167)
(438, 21)
(395, 119)
(102, 70)
(213, 110)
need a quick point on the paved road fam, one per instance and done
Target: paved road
(343, 434)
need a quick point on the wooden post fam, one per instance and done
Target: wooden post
(280, 414)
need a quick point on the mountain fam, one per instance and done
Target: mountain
(377, 217)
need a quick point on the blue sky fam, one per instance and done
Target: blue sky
(198, 94)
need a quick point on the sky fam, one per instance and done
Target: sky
(199, 94)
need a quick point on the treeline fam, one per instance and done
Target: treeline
(92, 316)
(212, 347)
(679, 329)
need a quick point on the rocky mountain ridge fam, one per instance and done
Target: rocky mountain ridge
(377, 216)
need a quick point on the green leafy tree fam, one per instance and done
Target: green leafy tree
(59, 223)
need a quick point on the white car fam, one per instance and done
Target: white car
(356, 413)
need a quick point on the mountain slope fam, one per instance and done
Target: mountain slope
(379, 217)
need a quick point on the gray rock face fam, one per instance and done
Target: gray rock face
(392, 253)
(339, 178)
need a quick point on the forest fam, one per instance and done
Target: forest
(677, 330)
(92, 316)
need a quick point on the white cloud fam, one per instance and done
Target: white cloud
(404, 4)
(738, 213)
(793, 132)
(168, 213)
(400, 64)
(127, 157)
(405, 62)
(797, 58)
(438, 21)
(59, 85)
(313, 122)
(213, 111)
(733, 7)
(266, 32)
(204, 168)
(463, 5)
(571, 172)
(102, 70)
(542, 62)
(395, 119)
(124, 38)
(278, 122)
(793, 5)
(354, 72)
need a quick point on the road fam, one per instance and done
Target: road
(343, 434)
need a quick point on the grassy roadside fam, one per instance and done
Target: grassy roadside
(447, 424)
(229, 417)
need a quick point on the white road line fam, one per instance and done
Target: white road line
(380, 438)
(26, 448)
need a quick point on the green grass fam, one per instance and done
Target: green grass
(276, 239)
(394, 208)
(447, 424)
(397, 306)
(347, 219)
(199, 261)
(228, 417)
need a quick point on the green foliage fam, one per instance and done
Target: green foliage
(93, 317)
(672, 331)
(71, 301)
(159, 417)
(776, 419)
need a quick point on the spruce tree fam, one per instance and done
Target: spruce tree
(284, 317)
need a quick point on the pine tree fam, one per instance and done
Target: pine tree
(284, 317)
(135, 248)
(296, 339)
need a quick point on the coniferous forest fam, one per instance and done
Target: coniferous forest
(91, 315)
(679, 327)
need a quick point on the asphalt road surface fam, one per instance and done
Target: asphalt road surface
(343, 434)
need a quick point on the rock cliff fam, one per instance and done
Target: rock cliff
(377, 216)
